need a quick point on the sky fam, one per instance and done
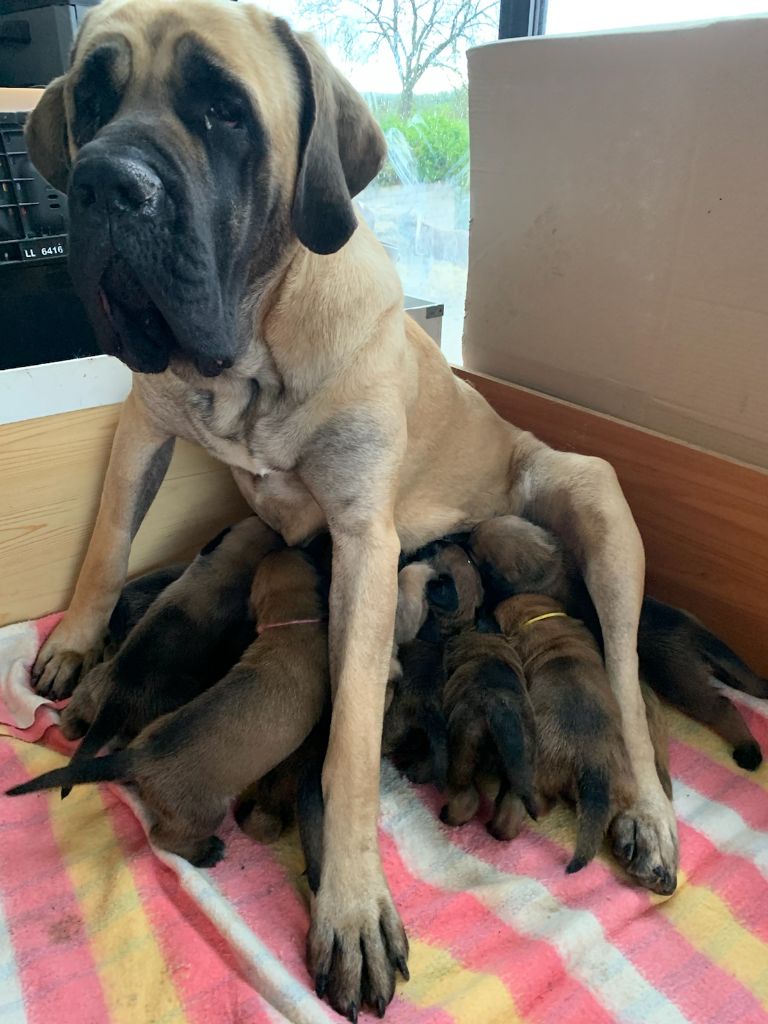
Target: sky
(564, 16)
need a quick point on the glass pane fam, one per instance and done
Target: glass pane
(408, 58)
(565, 16)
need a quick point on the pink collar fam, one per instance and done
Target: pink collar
(291, 622)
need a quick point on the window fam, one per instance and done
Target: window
(408, 58)
(564, 16)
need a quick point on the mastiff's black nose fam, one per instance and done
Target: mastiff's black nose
(115, 184)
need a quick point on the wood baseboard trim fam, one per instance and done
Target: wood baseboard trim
(703, 517)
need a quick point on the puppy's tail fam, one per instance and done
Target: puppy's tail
(727, 666)
(509, 735)
(117, 767)
(310, 811)
(436, 730)
(593, 797)
(104, 727)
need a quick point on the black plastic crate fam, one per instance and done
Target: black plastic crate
(41, 318)
(36, 38)
(33, 216)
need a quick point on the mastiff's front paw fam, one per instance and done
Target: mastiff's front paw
(645, 843)
(356, 944)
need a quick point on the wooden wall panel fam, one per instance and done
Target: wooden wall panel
(704, 518)
(51, 472)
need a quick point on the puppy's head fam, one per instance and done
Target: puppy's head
(456, 593)
(518, 557)
(199, 142)
(286, 585)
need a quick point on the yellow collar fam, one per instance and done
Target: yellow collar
(546, 615)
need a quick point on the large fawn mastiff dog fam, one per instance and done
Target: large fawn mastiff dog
(210, 156)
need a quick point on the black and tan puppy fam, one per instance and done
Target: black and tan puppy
(437, 595)
(471, 683)
(188, 638)
(492, 733)
(135, 600)
(581, 756)
(678, 655)
(189, 764)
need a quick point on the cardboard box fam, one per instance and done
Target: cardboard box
(618, 253)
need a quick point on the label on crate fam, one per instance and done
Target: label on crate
(43, 248)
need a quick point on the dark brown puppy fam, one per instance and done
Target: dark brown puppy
(440, 596)
(581, 753)
(189, 637)
(678, 655)
(492, 732)
(135, 600)
(479, 694)
(415, 736)
(189, 764)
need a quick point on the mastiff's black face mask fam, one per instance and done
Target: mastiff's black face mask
(175, 208)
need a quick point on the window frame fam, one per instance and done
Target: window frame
(520, 18)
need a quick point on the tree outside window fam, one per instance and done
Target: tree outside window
(408, 58)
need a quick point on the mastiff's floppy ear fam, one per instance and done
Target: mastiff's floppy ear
(46, 135)
(341, 148)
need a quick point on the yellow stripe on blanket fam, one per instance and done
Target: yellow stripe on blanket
(132, 969)
(708, 924)
(437, 979)
(712, 746)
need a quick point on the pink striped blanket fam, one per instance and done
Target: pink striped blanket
(97, 927)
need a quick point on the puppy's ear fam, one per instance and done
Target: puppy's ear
(212, 544)
(46, 135)
(341, 148)
(442, 594)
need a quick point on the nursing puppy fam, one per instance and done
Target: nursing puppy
(492, 732)
(133, 603)
(678, 655)
(441, 596)
(268, 806)
(478, 693)
(135, 600)
(581, 755)
(189, 637)
(189, 765)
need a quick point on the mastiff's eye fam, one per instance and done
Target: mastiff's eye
(226, 112)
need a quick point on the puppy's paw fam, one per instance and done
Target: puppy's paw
(66, 655)
(72, 726)
(645, 843)
(78, 716)
(748, 756)
(260, 825)
(356, 944)
(210, 852)
(462, 806)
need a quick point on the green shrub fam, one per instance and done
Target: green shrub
(431, 146)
